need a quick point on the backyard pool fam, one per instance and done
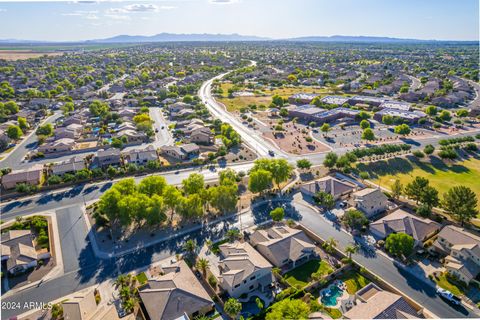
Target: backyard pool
(330, 295)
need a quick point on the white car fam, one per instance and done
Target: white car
(447, 295)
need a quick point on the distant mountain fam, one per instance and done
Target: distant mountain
(170, 37)
(206, 37)
(338, 38)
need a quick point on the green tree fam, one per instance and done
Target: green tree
(431, 111)
(14, 132)
(420, 190)
(325, 128)
(277, 214)
(462, 113)
(461, 203)
(289, 309)
(228, 176)
(445, 115)
(152, 185)
(429, 149)
(156, 212)
(402, 129)
(99, 109)
(325, 200)
(354, 219)
(330, 160)
(45, 130)
(193, 184)
(22, 123)
(368, 134)
(330, 244)
(232, 307)
(397, 189)
(171, 198)
(399, 244)
(224, 197)
(191, 206)
(387, 120)
(304, 164)
(190, 246)
(203, 264)
(11, 107)
(259, 181)
(364, 124)
(350, 249)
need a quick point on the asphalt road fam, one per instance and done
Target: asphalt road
(91, 270)
(73, 237)
(162, 134)
(14, 158)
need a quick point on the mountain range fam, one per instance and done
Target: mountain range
(206, 37)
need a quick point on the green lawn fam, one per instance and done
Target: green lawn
(444, 283)
(334, 313)
(301, 275)
(442, 175)
(141, 278)
(354, 281)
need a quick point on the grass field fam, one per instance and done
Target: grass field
(236, 103)
(301, 275)
(442, 175)
(354, 281)
(443, 282)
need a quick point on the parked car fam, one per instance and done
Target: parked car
(271, 153)
(450, 297)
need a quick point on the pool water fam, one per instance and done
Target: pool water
(331, 299)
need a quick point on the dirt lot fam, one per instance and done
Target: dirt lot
(13, 55)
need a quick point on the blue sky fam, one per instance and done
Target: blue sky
(80, 20)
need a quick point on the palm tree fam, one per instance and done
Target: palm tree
(203, 264)
(330, 244)
(351, 249)
(190, 246)
(121, 280)
(232, 308)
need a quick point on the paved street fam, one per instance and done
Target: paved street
(14, 159)
(73, 237)
(92, 270)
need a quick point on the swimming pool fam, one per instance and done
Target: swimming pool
(330, 299)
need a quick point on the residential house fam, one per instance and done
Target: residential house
(57, 146)
(201, 135)
(370, 201)
(243, 269)
(32, 176)
(140, 156)
(283, 246)
(18, 250)
(462, 251)
(328, 184)
(133, 136)
(82, 306)
(105, 158)
(71, 165)
(401, 221)
(371, 302)
(183, 152)
(177, 294)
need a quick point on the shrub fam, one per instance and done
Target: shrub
(212, 281)
(418, 154)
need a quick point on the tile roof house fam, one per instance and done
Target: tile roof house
(462, 251)
(81, 306)
(58, 146)
(401, 221)
(71, 165)
(183, 152)
(283, 246)
(140, 156)
(201, 135)
(18, 250)
(243, 269)
(328, 184)
(371, 302)
(370, 201)
(31, 176)
(174, 294)
(108, 157)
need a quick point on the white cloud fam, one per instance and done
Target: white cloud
(117, 17)
(89, 15)
(223, 1)
(138, 8)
